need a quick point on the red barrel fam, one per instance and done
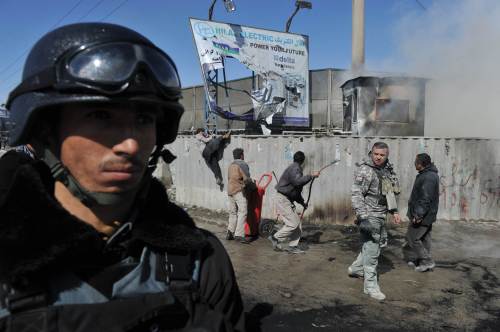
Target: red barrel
(255, 206)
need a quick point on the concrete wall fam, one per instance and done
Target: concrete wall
(469, 172)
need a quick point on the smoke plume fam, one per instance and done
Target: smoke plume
(456, 44)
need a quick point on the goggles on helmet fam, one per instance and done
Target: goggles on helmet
(110, 69)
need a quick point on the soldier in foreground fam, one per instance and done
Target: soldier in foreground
(88, 239)
(373, 196)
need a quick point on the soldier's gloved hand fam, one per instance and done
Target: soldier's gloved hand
(304, 205)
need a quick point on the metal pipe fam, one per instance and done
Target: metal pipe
(298, 5)
(211, 10)
(194, 108)
(290, 18)
(329, 102)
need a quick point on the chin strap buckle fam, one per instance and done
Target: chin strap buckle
(119, 235)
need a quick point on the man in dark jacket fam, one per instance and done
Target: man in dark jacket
(213, 152)
(89, 240)
(289, 191)
(422, 210)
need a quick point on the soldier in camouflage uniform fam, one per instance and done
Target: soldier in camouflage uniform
(373, 196)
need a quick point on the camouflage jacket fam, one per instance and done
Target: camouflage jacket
(369, 189)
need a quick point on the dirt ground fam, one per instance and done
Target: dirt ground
(312, 292)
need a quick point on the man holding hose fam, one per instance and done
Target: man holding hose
(289, 191)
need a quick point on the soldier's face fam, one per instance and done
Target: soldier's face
(106, 148)
(379, 156)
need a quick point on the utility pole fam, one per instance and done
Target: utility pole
(358, 36)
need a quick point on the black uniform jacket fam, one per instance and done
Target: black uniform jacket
(38, 237)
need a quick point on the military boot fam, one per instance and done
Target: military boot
(353, 274)
(376, 294)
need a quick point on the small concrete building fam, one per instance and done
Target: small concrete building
(384, 106)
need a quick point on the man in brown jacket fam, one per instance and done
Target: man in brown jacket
(238, 175)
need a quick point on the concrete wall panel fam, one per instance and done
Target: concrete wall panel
(469, 172)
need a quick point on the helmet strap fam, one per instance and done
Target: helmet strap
(153, 160)
(88, 198)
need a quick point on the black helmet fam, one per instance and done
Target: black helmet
(95, 63)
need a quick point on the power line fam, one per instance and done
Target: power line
(10, 65)
(67, 14)
(421, 5)
(114, 10)
(11, 75)
(11, 87)
(58, 22)
(98, 3)
(14, 62)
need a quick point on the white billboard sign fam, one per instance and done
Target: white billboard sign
(280, 59)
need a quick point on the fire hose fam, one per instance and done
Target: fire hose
(311, 184)
(266, 228)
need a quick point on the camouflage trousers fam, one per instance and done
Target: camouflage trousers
(367, 260)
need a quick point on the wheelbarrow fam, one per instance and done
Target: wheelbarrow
(252, 224)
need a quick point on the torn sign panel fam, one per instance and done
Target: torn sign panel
(280, 59)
